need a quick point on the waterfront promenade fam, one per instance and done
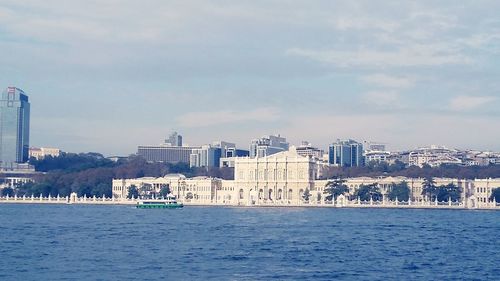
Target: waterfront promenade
(338, 203)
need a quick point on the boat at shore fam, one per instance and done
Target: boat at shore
(168, 203)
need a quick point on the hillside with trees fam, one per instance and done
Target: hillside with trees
(374, 169)
(92, 174)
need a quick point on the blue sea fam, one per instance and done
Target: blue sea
(74, 242)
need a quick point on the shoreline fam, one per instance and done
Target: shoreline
(364, 205)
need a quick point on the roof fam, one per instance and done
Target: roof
(175, 176)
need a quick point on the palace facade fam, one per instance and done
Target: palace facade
(282, 179)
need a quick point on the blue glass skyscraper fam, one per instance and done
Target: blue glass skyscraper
(346, 153)
(14, 127)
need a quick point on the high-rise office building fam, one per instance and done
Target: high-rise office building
(346, 153)
(174, 139)
(268, 145)
(207, 156)
(14, 127)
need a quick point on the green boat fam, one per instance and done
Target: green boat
(169, 203)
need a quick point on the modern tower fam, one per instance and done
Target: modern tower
(14, 127)
(346, 153)
(174, 139)
(268, 145)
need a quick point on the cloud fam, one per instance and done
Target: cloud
(364, 23)
(213, 118)
(406, 56)
(434, 19)
(388, 81)
(465, 103)
(399, 132)
(483, 41)
(381, 98)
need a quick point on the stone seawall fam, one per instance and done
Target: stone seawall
(342, 204)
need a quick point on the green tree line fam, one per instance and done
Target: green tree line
(375, 169)
(397, 191)
(92, 174)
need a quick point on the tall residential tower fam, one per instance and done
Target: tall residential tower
(14, 127)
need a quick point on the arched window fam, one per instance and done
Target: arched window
(290, 194)
(241, 193)
(280, 194)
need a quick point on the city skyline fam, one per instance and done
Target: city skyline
(316, 71)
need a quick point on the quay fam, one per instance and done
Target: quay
(340, 202)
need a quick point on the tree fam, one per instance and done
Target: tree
(306, 195)
(429, 188)
(102, 189)
(133, 192)
(164, 191)
(335, 188)
(146, 189)
(495, 195)
(401, 191)
(447, 192)
(365, 192)
(7, 191)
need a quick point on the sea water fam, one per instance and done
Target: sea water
(75, 242)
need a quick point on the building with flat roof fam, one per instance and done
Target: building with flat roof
(165, 153)
(268, 145)
(346, 153)
(207, 156)
(174, 139)
(14, 127)
(306, 149)
(42, 152)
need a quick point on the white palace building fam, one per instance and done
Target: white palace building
(281, 179)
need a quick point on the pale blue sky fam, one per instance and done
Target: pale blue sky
(108, 77)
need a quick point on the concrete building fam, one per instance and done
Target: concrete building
(227, 162)
(174, 139)
(165, 153)
(481, 190)
(42, 152)
(346, 153)
(207, 156)
(268, 145)
(219, 154)
(228, 149)
(306, 149)
(373, 146)
(198, 189)
(14, 127)
(168, 152)
(377, 156)
(432, 159)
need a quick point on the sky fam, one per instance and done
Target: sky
(106, 76)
